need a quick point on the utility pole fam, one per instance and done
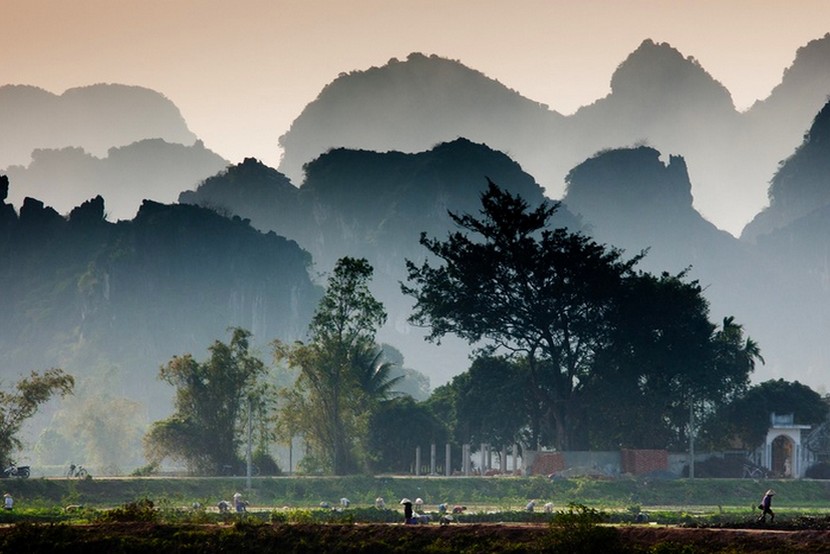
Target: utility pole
(248, 455)
(691, 439)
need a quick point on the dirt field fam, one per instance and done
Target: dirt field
(144, 537)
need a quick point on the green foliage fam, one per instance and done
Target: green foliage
(537, 292)
(343, 378)
(19, 405)
(492, 401)
(143, 510)
(747, 417)
(146, 470)
(604, 355)
(396, 428)
(578, 530)
(206, 428)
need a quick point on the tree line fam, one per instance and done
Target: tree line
(576, 349)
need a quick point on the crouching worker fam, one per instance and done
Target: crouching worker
(407, 511)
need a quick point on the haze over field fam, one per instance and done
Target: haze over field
(169, 169)
(241, 74)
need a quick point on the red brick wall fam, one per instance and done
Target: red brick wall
(546, 463)
(638, 462)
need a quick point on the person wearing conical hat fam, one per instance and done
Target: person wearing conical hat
(766, 507)
(407, 510)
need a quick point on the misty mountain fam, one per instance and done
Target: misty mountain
(148, 169)
(88, 295)
(658, 97)
(411, 105)
(802, 183)
(631, 199)
(668, 101)
(786, 113)
(375, 205)
(254, 191)
(95, 118)
(794, 235)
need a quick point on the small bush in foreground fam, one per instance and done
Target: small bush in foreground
(578, 530)
(141, 510)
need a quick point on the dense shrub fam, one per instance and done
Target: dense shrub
(140, 510)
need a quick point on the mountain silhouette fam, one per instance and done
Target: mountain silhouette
(802, 183)
(659, 97)
(631, 199)
(375, 205)
(95, 118)
(411, 105)
(147, 169)
(254, 191)
(89, 295)
(792, 235)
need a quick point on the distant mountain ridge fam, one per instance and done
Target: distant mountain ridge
(659, 98)
(409, 106)
(95, 118)
(375, 205)
(125, 142)
(147, 169)
(802, 183)
(88, 295)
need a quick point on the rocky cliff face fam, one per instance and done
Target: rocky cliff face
(86, 294)
(801, 184)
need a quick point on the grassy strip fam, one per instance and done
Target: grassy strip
(502, 494)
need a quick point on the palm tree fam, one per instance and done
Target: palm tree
(372, 376)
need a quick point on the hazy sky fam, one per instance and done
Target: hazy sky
(241, 71)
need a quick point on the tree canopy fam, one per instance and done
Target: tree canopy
(20, 404)
(744, 422)
(342, 375)
(205, 430)
(614, 356)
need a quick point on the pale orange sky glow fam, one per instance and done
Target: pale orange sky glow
(242, 71)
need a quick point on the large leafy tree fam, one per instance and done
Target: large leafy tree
(397, 428)
(206, 428)
(744, 422)
(539, 292)
(665, 358)
(614, 356)
(342, 376)
(491, 401)
(21, 403)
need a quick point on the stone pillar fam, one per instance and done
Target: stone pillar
(465, 459)
(417, 461)
(483, 458)
(515, 457)
(447, 463)
(503, 459)
(432, 459)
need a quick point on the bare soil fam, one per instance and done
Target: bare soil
(160, 538)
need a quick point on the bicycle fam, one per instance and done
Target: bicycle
(77, 472)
